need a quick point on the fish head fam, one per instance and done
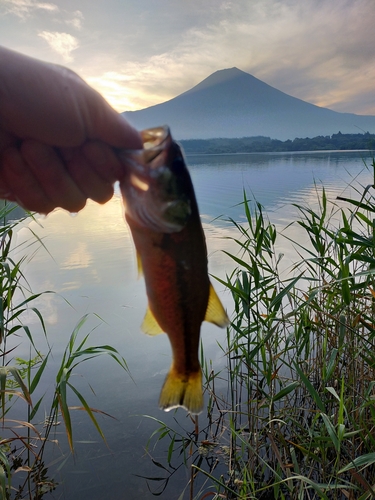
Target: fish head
(155, 190)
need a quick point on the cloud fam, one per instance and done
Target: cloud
(62, 43)
(322, 53)
(318, 51)
(115, 87)
(24, 8)
(76, 20)
(138, 85)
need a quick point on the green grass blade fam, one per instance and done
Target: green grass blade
(314, 394)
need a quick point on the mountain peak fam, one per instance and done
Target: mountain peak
(228, 73)
(233, 103)
(219, 77)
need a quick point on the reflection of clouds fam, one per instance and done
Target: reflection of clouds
(70, 285)
(88, 258)
(220, 239)
(47, 305)
(92, 247)
(80, 257)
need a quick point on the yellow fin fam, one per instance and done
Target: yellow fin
(139, 266)
(185, 391)
(150, 325)
(215, 312)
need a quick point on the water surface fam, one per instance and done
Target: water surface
(90, 267)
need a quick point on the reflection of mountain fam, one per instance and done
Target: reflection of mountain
(231, 103)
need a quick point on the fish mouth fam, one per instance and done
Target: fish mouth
(151, 191)
(154, 141)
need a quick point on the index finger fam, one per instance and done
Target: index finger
(105, 124)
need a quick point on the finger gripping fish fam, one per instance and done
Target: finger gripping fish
(162, 213)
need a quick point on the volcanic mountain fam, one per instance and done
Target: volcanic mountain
(232, 103)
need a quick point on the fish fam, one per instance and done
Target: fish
(162, 213)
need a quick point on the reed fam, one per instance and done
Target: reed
(297, 417)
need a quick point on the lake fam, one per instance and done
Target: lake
(88, 261)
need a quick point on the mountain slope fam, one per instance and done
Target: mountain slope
(232, 103)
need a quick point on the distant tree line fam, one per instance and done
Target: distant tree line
(261, 144)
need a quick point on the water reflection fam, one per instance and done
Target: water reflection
(88, 261)
(272, 179)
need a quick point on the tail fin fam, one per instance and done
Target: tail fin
(182, 390)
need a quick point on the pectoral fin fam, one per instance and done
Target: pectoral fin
(150, 325)
(139, 266)
(215, 312)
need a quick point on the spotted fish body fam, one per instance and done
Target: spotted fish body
(163, 216)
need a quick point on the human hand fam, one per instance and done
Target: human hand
(56, 137)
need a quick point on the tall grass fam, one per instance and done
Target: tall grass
(23, 472)
(296, 419)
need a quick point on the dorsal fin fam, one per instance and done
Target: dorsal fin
(215, 312)
(150, 325)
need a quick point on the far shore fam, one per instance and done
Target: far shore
(260, 144)
(315, 151)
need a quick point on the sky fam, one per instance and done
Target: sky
(138, 53)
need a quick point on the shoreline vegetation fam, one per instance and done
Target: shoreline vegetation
(261, 144)
(292, 415)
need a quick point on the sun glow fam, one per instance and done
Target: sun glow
(118, 91)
